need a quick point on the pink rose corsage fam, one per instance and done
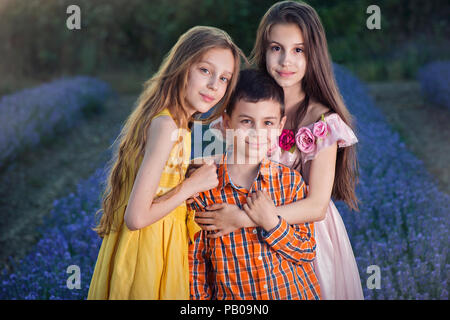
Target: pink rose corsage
(320, 129)
(287, 140)
(305, 140)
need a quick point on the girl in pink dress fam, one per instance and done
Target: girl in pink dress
(317, 141)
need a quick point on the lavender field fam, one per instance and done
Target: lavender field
(32, 114)
(435, 82)
(402, 226)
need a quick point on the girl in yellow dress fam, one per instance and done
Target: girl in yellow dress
(145, 224)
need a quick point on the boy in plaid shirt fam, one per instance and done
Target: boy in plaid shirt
(275, 259)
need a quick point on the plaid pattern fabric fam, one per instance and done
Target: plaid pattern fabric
(251, 263)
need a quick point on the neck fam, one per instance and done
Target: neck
(292, 97)
(242, 174)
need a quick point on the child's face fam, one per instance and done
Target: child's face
(256, 127)
(208, 80)
(285, 57)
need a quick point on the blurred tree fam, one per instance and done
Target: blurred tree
(35, 41)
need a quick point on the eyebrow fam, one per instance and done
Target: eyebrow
(295, 44)
(212, 65)
(246, 116)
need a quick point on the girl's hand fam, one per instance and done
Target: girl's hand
(222, 218)
(202, 179)
(191, 169)
(260, 208)
(198, 162)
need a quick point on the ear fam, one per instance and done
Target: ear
(282, 123)
(226, 121)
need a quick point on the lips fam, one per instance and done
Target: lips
(207, 98)
(285, 73)
(256, 145)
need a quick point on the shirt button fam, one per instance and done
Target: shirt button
(265, 286)
(255, 231)
(259, 258)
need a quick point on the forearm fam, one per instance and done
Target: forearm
(245, 221)
(158, 209)
(304, 210)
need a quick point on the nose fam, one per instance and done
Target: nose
(259, 131)
(285, 59)
(212, 83)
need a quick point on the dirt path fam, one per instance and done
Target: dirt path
(424, 127)
(31, 184)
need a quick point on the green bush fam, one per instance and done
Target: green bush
(34, 39)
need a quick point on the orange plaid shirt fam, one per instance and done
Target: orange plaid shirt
(251, 263)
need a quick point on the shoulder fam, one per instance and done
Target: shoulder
(162, 131)
(317, 109)
(163, 122)
(164, 126)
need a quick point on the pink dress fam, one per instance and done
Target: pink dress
(335, 264)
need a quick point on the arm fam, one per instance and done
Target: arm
(293, 242)
(321, 179)
(313, 208)
(141, 211)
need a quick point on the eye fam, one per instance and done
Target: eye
(246, 121)
(275, 48)
(204, 70)
(224, 79)
(268, 123)
(299, 50)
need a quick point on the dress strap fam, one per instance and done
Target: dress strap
(164, 112)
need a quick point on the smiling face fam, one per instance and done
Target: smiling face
(256, 127)
(208, 80)
(285, 57)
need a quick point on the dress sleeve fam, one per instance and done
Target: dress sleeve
(192, 226)
(338, 131)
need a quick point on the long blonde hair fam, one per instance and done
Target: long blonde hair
(318, 83)
(165, 89)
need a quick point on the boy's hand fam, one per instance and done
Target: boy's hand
(261, 210)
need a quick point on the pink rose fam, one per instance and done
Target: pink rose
(287, 139)
(305, 140)
(320, 129)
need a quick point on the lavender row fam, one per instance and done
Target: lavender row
(403, 222)
(434, 80)
(29, 115)
(67, 240)
(402, 226)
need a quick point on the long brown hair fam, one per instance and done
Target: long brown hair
(318, 84)
(165, 89)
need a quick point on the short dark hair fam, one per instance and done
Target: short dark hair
(253, 86)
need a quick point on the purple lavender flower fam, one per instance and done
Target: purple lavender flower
(402, 225)
(31, 114)
(434, 80)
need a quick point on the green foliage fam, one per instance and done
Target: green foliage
(34, 39)
(92, 106)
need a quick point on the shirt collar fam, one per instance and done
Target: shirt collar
(265, 171)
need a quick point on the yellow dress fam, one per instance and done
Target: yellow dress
(150, 263)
